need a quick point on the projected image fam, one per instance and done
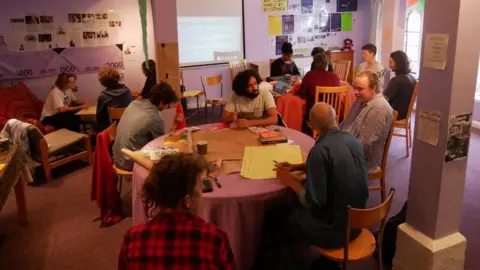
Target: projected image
(206, 40)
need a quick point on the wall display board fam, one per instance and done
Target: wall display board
(311, 23)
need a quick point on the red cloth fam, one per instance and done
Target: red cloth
(18, 102)
(175, 240)
(104, 183)
(291, 109)
(183, 123)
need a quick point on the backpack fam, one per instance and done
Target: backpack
(389, 243)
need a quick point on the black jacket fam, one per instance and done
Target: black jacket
(119, 97)
(280, 68)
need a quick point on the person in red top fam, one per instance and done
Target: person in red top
(175, 238)
(319, 76)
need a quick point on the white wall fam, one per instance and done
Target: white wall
(131, 34)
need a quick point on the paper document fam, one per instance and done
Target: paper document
(92, 110)
(259, 161)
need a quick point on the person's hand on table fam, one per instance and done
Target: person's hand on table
(283, 173)
(234, 117)
(243, 123)
(289, 166)
(84, 106)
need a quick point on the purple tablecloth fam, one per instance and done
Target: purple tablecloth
(237, 208)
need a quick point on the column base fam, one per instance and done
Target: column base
(417, 251)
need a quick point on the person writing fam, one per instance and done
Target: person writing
(336, 177)
(284, 65)
(370, 117)
(400, 88)
(115, 95)
(61, 105)
(175, 237)
(141, 123)
(249, 106)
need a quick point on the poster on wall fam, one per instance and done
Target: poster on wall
(307, 6)
(32, 23)
(428, 126)
(288, 24)
(458, 137)
(278, 44)
(294, 6)
(31, 64)
(274, 5)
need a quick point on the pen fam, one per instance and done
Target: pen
(276, 162)
(217, 183)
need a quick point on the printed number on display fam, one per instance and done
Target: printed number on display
(116, 64)
(67, 69)
(24, 72)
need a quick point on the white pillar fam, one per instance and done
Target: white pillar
(430, 238)
(393, 29)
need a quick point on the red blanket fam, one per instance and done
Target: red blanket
(104, 183)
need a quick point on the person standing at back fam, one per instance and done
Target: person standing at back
(400, 88)
(150, 81)
(115, 95)
(369, 51)
(141, 123)
(284, 65)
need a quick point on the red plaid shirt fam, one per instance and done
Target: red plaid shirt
(176, 241)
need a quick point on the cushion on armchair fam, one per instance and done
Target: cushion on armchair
(18, 102)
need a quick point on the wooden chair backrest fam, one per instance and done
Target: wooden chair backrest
(112, 131)
(333, 96)
(237, 67)
(365, 219)
(412, 101)
(341, 68)
(386, 148)
(115, 113)
(212, 81)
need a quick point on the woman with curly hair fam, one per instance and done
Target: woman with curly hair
(115, 95)
(174, 237)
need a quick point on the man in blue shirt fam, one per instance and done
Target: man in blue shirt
(336, 177)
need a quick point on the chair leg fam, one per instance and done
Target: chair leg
(88, 147)
(44, 157)
(206, 113)
(407, 137)
(410, 132)
(383, 187)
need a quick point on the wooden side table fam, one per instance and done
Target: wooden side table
(13, 174)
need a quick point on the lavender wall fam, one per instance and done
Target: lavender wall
(258, 48)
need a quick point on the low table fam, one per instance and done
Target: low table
(13, 175)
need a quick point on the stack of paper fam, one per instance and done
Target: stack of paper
(259, 161)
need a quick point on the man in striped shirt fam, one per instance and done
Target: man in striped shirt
(370, 117)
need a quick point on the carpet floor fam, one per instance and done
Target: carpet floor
(61, 234)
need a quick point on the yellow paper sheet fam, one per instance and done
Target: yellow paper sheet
(92, 110)
(258, 161)
(2, 165)
(274, 25)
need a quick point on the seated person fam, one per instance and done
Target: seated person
(316, 51)
(335, 178)
(284, 65)
(151, 79)
(174, 237)
(249, 106)
(141, 123)
(61, 105)
(318, 76)
(368, 53)
(369, 118)
(115, 95)
(400, 88)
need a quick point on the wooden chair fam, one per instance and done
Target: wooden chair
(192, 94)
(58, 148)
(210, 82)
(380, 172)
(364, 245)
(341, 68)
(135, 94)
(112, 133)
(237, 67)
(115, 113)
(333, 96)
(406, 123)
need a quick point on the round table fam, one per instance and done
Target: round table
(238, 207)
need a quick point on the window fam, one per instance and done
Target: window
(413, 40)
